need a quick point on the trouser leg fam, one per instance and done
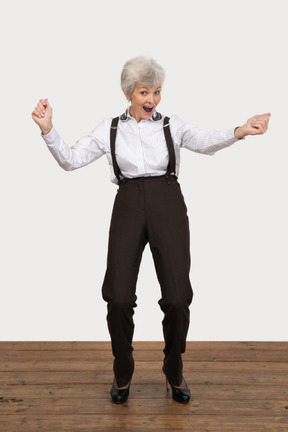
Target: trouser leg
(127, 240)
(169, 239)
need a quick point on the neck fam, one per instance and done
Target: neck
(131, 112)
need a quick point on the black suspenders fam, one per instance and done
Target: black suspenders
(113, 132)
(169, 142)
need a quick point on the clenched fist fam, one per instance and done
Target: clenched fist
(42, 115)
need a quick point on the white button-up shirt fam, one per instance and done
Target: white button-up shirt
(140, 148)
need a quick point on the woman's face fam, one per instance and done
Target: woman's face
(144, 101)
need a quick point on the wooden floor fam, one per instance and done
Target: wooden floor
(64, 386)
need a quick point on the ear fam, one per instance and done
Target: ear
(126, 95)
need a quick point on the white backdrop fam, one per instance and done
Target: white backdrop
(225, 61)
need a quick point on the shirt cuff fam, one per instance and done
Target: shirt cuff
(49, 138)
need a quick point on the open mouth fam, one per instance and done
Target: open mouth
(148, 109)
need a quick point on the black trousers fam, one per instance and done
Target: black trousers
(148, 209)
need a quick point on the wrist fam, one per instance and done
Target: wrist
(238, 132)
(46, 130)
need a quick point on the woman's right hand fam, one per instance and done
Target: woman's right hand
(42, 115)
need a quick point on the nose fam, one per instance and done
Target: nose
(150, 99)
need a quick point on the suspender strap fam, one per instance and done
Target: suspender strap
(171, 151)
(113, 132)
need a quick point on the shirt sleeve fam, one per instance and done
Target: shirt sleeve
(86, 150)
(201, 141)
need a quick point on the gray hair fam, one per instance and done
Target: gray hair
(141, 70)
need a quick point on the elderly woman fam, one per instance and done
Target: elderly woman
(143, 151)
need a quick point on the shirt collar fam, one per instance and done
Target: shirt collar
(156, 116)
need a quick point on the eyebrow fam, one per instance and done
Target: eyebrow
(147, 88)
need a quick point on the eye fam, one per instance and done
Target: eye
(144, 93)
(157, 92)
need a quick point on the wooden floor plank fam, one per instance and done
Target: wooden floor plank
(140, 423)
(145, 391)
(71, 364)
(81, 406)
(80, 377)
(146, 355)
(139, 345)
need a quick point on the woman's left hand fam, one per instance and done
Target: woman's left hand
(256, 125)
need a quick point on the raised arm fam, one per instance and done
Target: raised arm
(86, 150)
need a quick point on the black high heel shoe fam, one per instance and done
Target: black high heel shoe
(179, 394)
(119, 395)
